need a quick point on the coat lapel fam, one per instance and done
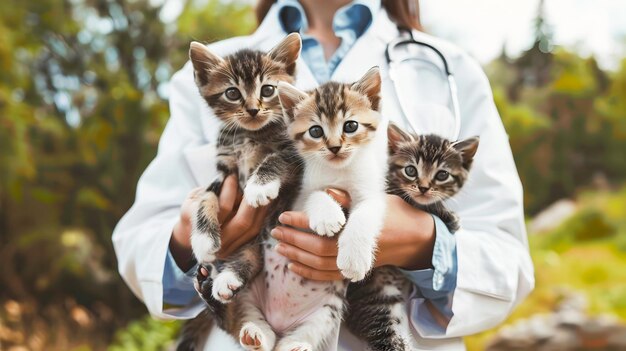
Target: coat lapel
(368, 51)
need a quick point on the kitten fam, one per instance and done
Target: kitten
(424, 170)
(335, 129)
(241, 89)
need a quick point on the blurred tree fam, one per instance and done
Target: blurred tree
(83, 89)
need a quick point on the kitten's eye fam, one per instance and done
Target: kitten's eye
(442, 175)
(410, 171)
(350, 126)
(316, 132)
(267, 90)
(232, 94)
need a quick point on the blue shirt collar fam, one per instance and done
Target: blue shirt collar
(357, 15)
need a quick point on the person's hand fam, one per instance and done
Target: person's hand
(406, 241)
(239, 223)
(312, 256)
(408, 236)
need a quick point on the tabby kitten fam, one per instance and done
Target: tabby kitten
(424, 170)
(335, 129)
(241, 89)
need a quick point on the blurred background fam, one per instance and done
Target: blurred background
(83, 100)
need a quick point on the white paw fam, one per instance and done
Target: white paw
(253, 337)
(326, 220)
(225, 285)
(295, 346)
(260, 195)
(354, 262)
(204, 248)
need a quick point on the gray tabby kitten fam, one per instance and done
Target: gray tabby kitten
(424, 170)
(241, 89)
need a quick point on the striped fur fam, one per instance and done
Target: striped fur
(377, 305)
(241, 91)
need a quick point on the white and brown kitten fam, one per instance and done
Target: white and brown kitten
(337, 131)
(424, 170)
(241, 89)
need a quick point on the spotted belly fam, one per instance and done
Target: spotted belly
(286, 298)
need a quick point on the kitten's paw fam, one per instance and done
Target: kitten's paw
(203, 281)
(326, 220)
(261, 194)
(295, 346)
(225, 286)
(204, 247)
(355, 263)
(254, 337)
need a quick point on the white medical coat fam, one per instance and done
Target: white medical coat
(494, 273)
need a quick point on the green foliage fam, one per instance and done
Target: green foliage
(566, 119)
(146, 334)
(83, 100)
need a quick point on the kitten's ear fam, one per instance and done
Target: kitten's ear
(287, 51)
(467, 148)
(289, 96)
(369, 85)
(203, 61)
(396, 136)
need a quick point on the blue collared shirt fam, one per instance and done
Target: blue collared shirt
(349, 23)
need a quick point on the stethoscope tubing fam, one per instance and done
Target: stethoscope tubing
(393, 69)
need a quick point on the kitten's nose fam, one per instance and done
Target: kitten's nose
(335, 149)
(423, 189)
(253, 111)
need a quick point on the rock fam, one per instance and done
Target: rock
(567, 328)
(552, 216)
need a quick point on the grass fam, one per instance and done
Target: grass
(586, 253)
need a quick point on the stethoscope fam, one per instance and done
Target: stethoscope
(396, 57)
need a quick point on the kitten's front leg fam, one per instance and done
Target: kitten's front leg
(326, 217)
(357, 242)
(264, 184)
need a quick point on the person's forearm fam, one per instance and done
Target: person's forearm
(180, 245)
(415, 243)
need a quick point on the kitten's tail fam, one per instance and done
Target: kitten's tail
(195, 332)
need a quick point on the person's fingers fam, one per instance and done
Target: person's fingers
(294, 219)
(314, 274)
(298, 255)
(228, 197)
(240, 238)
(313, 243)
(239, 199)
(244, 217)
(342, 197)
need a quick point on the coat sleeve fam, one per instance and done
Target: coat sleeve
(185, 159)
(494, 272)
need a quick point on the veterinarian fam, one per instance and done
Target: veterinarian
(464, 282)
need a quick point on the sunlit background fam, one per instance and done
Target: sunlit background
(83, 100)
